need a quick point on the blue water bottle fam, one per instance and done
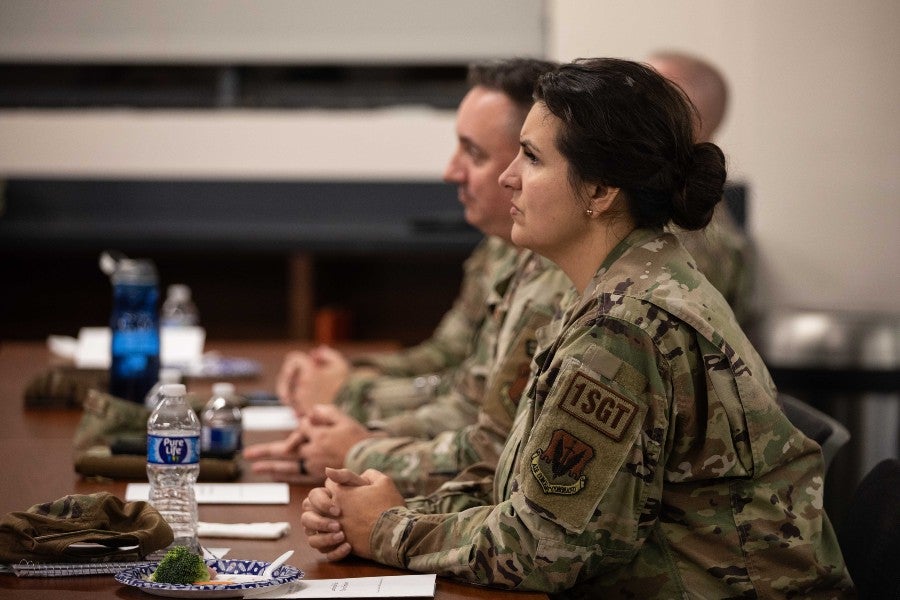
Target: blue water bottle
(134, 323)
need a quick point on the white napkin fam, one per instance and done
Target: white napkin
(255, 531)
(268, 418)
(180, 347)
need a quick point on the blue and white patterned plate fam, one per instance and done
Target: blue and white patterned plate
(242, 573)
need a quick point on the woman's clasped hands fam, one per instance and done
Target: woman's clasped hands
(338, 518)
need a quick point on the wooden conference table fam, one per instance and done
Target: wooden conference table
(36, 459)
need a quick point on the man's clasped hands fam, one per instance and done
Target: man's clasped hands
(339, 516)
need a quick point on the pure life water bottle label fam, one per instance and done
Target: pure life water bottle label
(173, 450)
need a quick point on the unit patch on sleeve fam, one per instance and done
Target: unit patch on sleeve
(598, 406)
(559, 467)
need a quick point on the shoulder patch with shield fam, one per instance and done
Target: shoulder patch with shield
(560, 466)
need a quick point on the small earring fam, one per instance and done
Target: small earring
(589, 212)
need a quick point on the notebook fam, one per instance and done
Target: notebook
(35, 569)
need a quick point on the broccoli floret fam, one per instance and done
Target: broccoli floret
(180, 565)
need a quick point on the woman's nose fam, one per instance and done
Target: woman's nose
(508, 178)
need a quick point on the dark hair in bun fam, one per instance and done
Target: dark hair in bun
(626, 126)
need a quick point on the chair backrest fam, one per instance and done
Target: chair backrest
(870, 533)
(829, 433)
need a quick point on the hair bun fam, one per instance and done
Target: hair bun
(704, 183)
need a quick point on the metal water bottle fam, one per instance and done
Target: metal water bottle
(134, 324)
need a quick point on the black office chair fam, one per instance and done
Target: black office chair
(870, 533)
(828, 432)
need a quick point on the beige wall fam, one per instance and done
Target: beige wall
(812, 129)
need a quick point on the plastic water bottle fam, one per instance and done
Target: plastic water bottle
(173, 463)
(222, 423)
(134, 323)
(178, 310)
(166, 375)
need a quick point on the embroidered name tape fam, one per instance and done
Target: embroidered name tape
(598, 406)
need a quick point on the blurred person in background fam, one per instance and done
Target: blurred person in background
(723, 251)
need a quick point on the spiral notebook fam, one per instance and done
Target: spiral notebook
(33, 569)
(27, 568)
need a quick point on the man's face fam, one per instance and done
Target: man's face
(487, 127)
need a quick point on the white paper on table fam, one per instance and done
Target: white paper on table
(393, 586)
(93, 348)
(250, 531)
(180, 347)
(224, 493)
(268, 418)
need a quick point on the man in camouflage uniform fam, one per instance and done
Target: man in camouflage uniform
(451, 341)
(488, 123)
(648, 459)
(520, 305)
(387, 383)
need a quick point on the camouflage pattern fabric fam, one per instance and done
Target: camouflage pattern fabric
(112, 528)
(450, 343)
(64, 386)
(458, 397)
(648, 459)
(108, 421)
(522, 304)
(724, 254)
(107, 417)
(366, 397)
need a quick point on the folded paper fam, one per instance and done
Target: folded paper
(252, 531)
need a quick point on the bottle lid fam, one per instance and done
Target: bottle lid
(223, 388)
(135, 272)
(169, 375)
(173, 389)
(178, 292)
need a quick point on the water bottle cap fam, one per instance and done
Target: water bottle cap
(173, 389)
(223, 388)
(169, 375)
(179, 292)
(134, 271)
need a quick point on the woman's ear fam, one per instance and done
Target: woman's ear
(602, 197)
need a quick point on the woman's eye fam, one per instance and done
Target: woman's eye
(530, 156)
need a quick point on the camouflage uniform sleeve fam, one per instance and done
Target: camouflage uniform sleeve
(450, 411)
(368, 397)
(420, 466)
(449, 344)
(406, 460)
(585, 486)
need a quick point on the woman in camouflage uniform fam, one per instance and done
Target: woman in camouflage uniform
(649, 458)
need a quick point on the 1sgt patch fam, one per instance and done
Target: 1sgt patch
(559, 467)
(598, 406)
